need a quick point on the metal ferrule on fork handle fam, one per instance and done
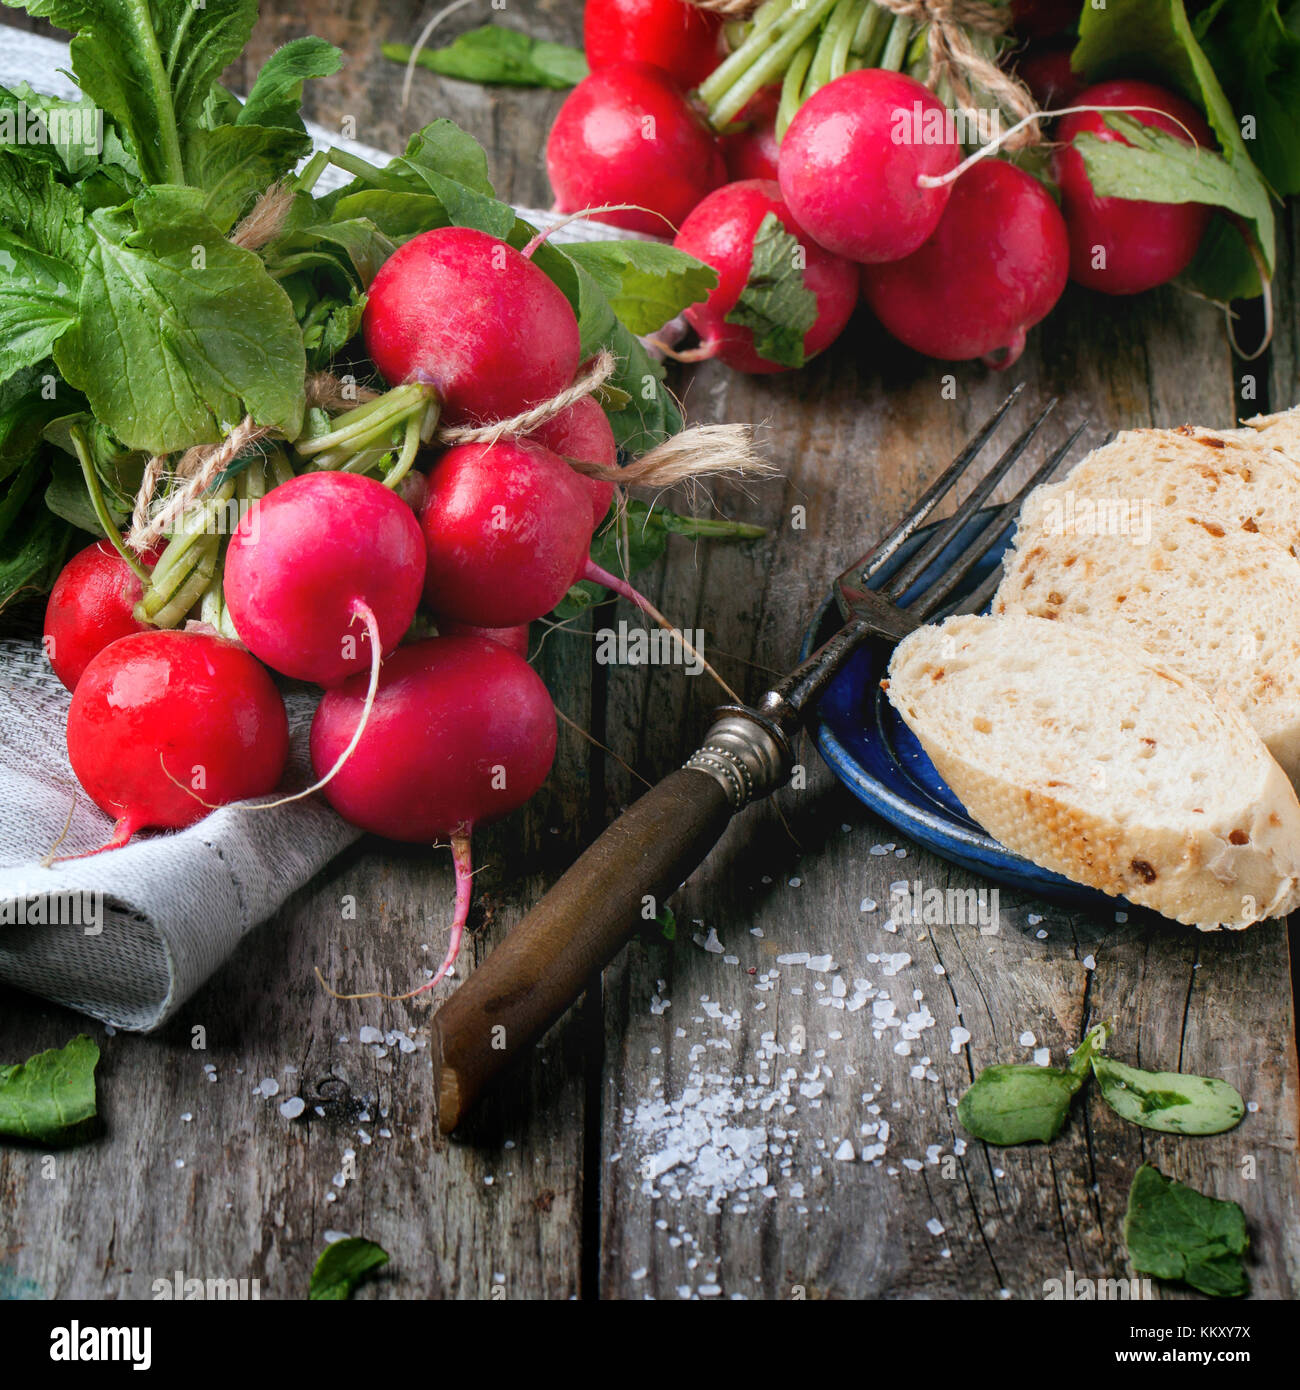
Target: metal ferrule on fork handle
(746, 754)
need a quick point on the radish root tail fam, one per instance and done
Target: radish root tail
(463, 861)
(621, 587)
(366, 614)
(123, 832)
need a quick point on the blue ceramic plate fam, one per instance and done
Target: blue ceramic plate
(873, 752)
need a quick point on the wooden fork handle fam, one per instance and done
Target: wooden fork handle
(623, 879)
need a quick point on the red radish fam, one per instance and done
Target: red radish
(583, 432)
(754, 152)
(165, 725)
(678, 37)
(315, 556)
(851, 159)
(507, 527)
(462, 732)
(1046, 71)
(1037, 19)
(996, 264)
(626, 134)
(91, 604)
(721, 233)
(413, 489)
(1126, 245)
(476, 320)
(514, 639)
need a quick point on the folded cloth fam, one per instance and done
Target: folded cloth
(128, 936)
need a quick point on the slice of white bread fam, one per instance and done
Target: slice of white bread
(1280, 431)
(1192, 470)
(1090, 758)
(1218, 604)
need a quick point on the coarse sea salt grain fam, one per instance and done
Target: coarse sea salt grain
(934, 1226)
(293, 1107)
(1027, 1039)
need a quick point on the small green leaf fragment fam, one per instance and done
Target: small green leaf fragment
(48, 1098)
(342, 1266)
(776, 304)
(1171, 1102)
(495, 55)
(1016, 1104)
(1174, 1232)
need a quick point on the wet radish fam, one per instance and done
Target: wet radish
(1127, 245)
(165, 725)
(507, 528)
(851, 159)
(474, 319)
(91, 604)
(514, 639)
(583, 432)
(1037, 19)
(318, 569)
(997, 263)
(462, 732)
(753, 152)
(1046, 71)
(671, 34)
(627, 134)
(721, 233)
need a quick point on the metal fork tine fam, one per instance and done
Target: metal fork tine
(933, 598)
(901, 582)
(979, 599)
(886, 550)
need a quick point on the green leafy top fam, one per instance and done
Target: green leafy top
(1256, 56)
(150, 66)
(123, 296)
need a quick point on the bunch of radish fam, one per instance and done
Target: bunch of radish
(807, 122)
(416, 738)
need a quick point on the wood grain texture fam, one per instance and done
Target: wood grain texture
(567, 1211)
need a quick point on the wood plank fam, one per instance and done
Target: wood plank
(860, 435)
(857, 435)
(257, 1192)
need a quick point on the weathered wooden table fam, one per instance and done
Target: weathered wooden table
(564, 1184)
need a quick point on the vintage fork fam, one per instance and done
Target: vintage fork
(547, 961)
